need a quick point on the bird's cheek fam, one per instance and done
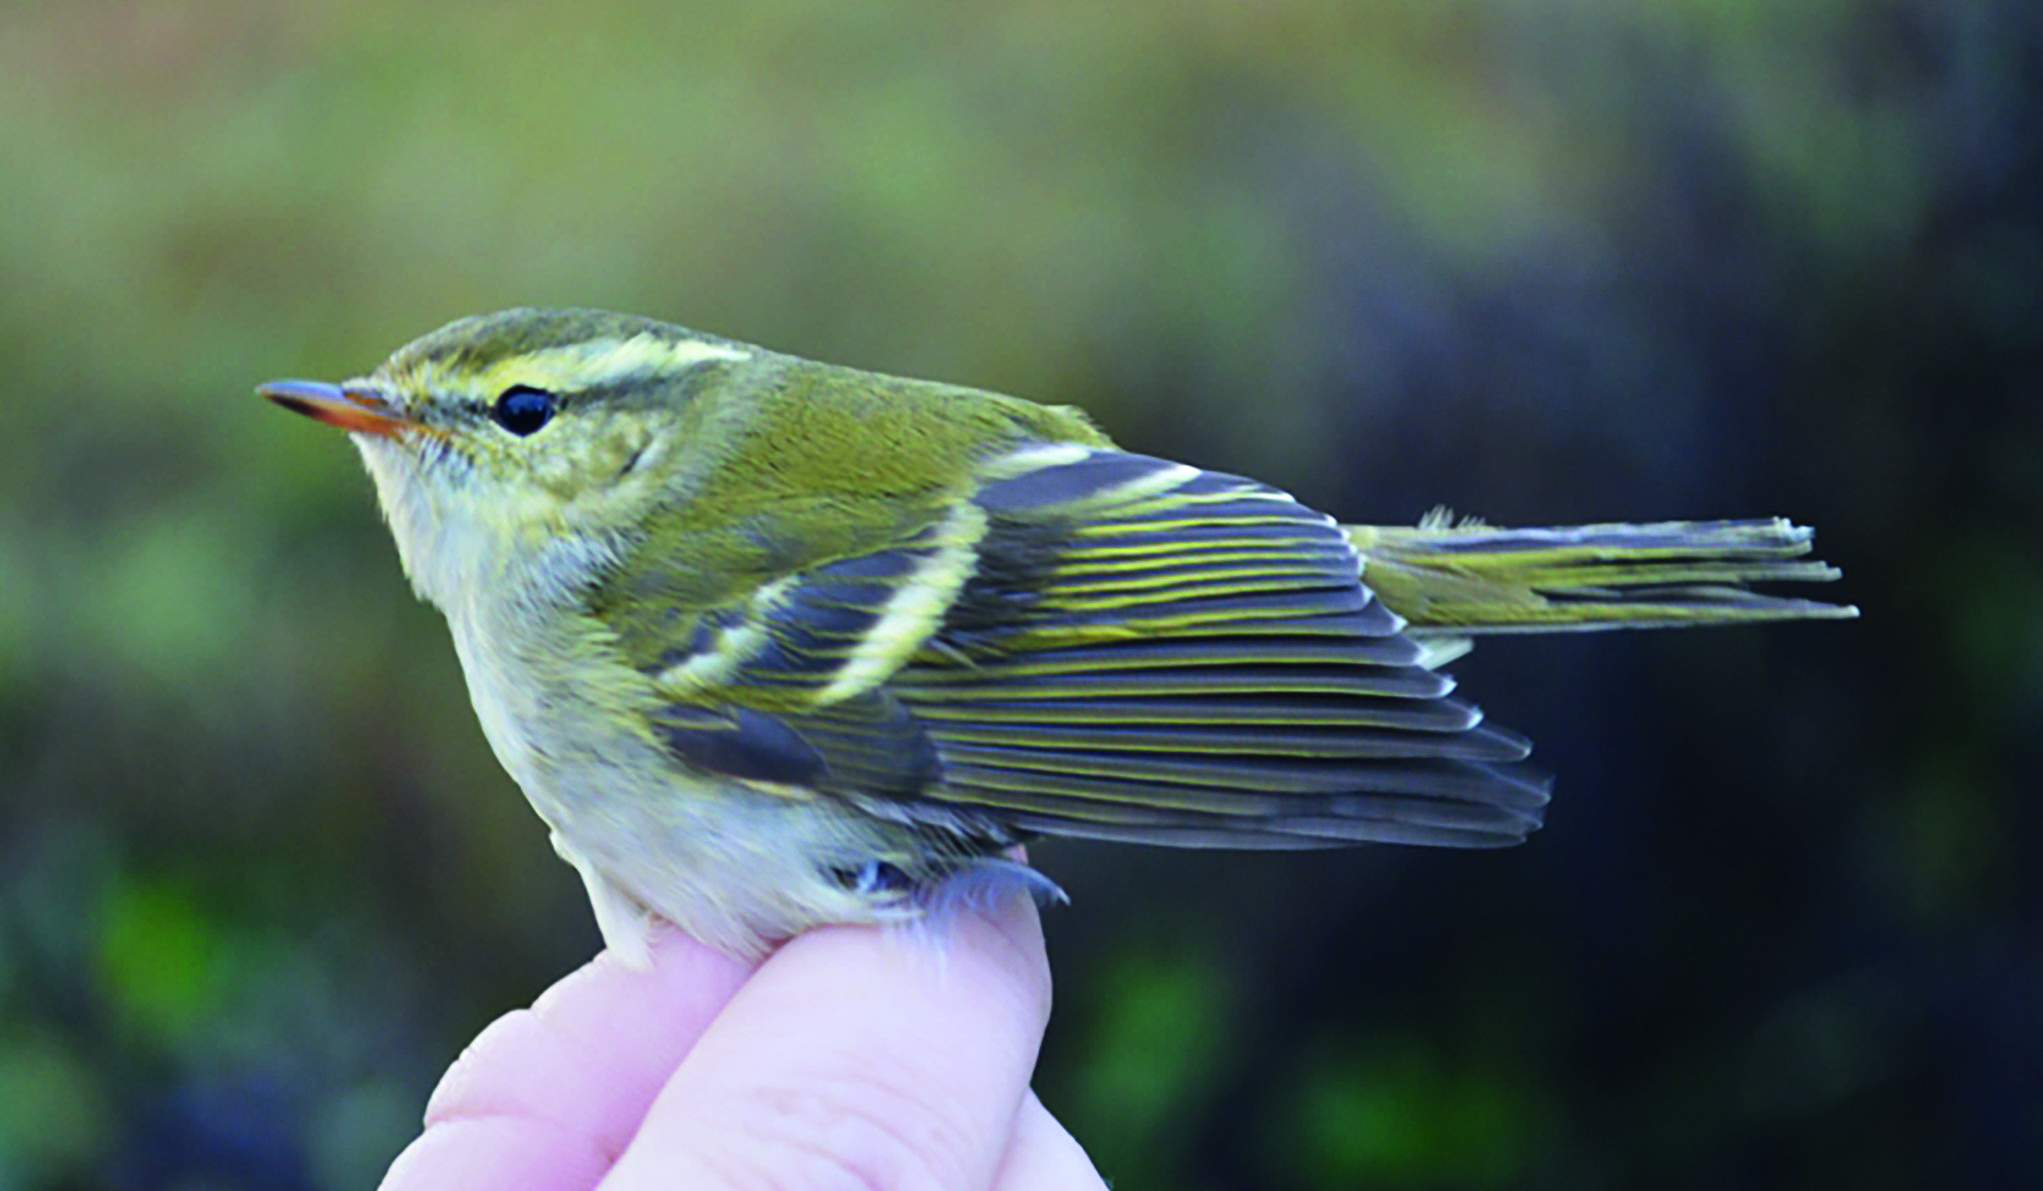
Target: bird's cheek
(614, 500)
(635, 454)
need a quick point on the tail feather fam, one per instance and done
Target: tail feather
(1473, 578)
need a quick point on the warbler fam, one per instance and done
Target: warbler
(771, 643)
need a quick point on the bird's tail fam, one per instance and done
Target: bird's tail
(1456, 579)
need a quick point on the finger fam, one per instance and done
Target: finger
(858, 1057)
(496, 1152)
(1043, 1156)
(547, 1097)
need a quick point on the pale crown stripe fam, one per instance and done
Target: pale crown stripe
(600, 362)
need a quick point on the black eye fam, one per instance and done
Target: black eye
(522, 411)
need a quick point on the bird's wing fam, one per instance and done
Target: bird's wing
(1095, 643)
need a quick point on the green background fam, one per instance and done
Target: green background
(1543, 261)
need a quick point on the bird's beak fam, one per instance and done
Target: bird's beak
(356, 410)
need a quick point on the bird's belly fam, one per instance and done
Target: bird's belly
(732, 864)
(728, 864)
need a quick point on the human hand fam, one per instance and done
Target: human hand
(851, 1058)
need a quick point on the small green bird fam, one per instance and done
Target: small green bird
(770, 643)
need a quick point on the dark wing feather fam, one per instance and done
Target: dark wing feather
(869, 746)
(1123, 648)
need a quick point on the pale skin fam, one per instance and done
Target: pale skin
(853, 1057)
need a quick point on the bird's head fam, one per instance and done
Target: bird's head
(508, 441)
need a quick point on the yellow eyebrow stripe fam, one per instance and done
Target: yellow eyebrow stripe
(573, 366)
(600, 362)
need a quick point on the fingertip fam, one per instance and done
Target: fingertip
(579, 1069)
(1008, 935)
(517, 1066)
(1043, 1155)
(685, 986)
(492, 1153)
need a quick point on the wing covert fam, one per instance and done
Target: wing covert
(827, 633)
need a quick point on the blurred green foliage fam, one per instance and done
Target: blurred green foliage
(259, 878)
(1158, 1042)
(1388, 1114)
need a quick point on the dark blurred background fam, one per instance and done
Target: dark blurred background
(1545, 262)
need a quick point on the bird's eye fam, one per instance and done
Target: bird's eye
(522, 410)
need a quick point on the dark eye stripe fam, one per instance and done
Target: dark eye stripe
(522, 410)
